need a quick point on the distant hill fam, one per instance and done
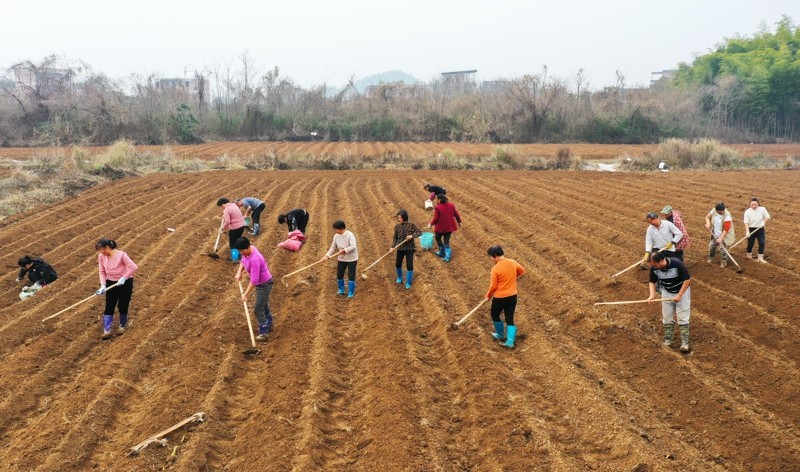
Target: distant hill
(375, 79)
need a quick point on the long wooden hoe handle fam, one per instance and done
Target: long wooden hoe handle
(247, 315)
(633, 265)
(379, 259)
(76, 304)
(724, 249)
(746, 236)
(466, 317)
(634, 301)
(219, 233)
(306, 267)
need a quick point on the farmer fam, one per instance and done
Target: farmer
(434, 190)
(674, 217)
(252, 206)
(39, 272)
(661, 234)
(672, 278)
(445, 217)
(233, 221)
(344, 244)
(260, 280)
(115, 267)
(720, 223)
(296, 219)
(406, 231)
(755, 218)
(503, 293)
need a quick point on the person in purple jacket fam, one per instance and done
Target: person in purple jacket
(260, 280)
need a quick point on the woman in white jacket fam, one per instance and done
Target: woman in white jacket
(344, 244)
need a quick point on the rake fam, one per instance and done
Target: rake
(79, 303)
(458, 323)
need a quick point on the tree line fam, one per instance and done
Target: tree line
(746, 89)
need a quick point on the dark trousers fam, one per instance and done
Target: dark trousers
(47, 279)
(507, 305)
(751, 240)
(234, 235)
(118, 296)
(302, 222)
(409, 255)
(446, 237)
(351, 270)
(263, 313)
(257, 214)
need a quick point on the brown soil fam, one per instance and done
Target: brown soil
(381, 382)
(408, 149)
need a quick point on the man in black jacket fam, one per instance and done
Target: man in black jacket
(39, 272)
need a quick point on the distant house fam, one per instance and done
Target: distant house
(190, 86)
(460, 76)
(662, 77)
(42, 81)
(495, 86)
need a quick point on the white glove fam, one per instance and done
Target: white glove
(16, 280)
(101, 291)
(121, 281)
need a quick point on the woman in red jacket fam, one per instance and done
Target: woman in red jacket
(447, 220)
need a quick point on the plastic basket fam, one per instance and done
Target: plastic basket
(426, 241)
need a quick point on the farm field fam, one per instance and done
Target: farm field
(409, 149)
(381, 382)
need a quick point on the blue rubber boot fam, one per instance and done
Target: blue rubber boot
(510, 336)
(447, 254)
(263, 329)
(340, 283)
(409, 279)
(107, 320)
(399, 276)
(499, 333)
(123, 320)
(351, 289)
(440, 252)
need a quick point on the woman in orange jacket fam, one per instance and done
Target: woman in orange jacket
(503, 293)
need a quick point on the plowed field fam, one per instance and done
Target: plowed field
(407, 149)
(381, 382)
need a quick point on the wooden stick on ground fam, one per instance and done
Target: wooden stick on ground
(633, 301)
(198, 417)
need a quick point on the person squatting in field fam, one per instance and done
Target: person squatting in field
(755, 218)
(115, 268)
(670, 277)
(434, 190)
(720, 223)
(446, 220)
(661, 234)
(503, 293)
(296, 219)
(260, 280)
(40, 273)
(344, 244)
(233, 221)
(406, 231)
(674, 217)
(252, 206)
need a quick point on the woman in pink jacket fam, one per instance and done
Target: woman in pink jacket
(115, 268)
(447, 221)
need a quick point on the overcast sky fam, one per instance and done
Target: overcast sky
(317, 41)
